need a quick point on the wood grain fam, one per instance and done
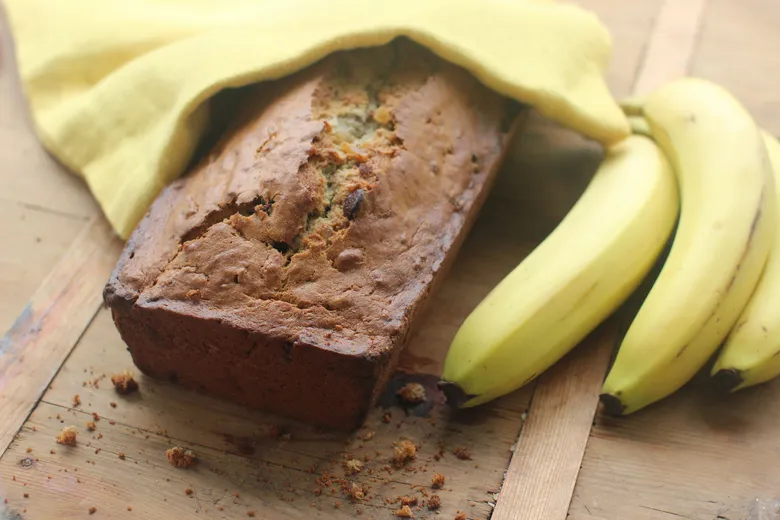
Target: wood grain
(542, 475)
(672, 44)
(544, 467)
(40, 339)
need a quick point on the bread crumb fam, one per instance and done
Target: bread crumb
(96, 416)
(462, 452)
(404, 451)
(91, 426)
(29, 450)
(353, 466)
(112, 404)
(404, 512)
(180, 457)
(67, 436)
(92, 510)
(188, 491)
(193, 294)
(368, 436)
(129, 508)
(52, 452)
(412, 393)
(250, 514)
(124, 383)
(460, 516)
(437, 481)
(386, 417)
(219, 508)
(434, 502)
(409, 501)
(112, 423)
(26, 495)
(358, 492)
(121, 455)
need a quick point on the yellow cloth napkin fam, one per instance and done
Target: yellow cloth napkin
(118, 89)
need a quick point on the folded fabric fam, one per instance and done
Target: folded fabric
(118, 89)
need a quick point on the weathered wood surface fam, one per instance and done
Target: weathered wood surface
(692, 457)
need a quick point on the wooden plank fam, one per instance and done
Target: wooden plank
(32, 243)
(40, 339)
(672, 44)
(696, 455)
(542, 475)
(544, 467)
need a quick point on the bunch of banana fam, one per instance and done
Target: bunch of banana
(719, 180)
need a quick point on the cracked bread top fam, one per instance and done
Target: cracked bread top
(325, 213)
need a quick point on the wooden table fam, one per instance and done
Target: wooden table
(542, 452)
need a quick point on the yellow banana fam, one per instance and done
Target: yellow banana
(751, 354)
(572, 281)
(726, 228)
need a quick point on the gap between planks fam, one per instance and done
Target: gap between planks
(43, 335)
(543, 471)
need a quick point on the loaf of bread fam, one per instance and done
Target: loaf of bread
(285, 271)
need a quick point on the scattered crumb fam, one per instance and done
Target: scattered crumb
(29, 450)
(358, 492)
(462, 452)
(412, 393)
(91, 426)
(219, 508)
(92, 510)
(121, 455)
(386, 417)
(193, 294)
(460, 516)
(317, 491)
(353, 466)
(404, 451)
(434, 502)
(26, 495)
(336, 505)
(188, 491)
(100, 436)
(112, 404)
(129, 508)
(124, 383)
(67, 436)
(368, 436)
(112, 423)
(250, 514)
(96, 416)
(409, 501)
(180, 457)
(76, 400)
(437, 481)
(235, 494)
(404, 512)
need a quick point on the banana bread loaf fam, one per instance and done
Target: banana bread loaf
(285, 270)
